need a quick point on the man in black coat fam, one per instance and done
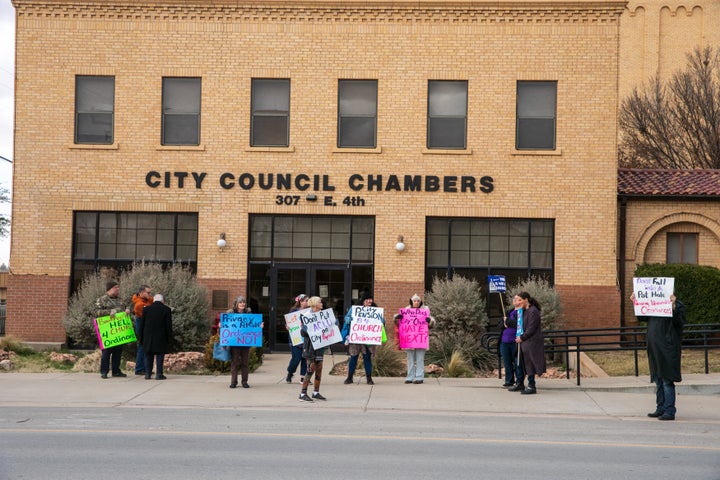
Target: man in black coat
(155, 335)
(664, 342)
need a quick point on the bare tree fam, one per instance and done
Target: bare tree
(677, 124)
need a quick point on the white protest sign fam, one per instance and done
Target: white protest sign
(366, 327)
(293, 324)
(321, 327)
(652, 296)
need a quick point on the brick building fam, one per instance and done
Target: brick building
(315, 137)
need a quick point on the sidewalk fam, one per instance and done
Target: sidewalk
(698, 395)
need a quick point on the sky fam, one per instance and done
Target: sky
(7, 82)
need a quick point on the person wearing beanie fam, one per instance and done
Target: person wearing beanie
(354, 349)
(301, 303)
(110, 304)
(416, 356)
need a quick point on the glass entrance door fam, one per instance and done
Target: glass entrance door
(287, 281)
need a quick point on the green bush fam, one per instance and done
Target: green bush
(695, 285)
(546, 295)
(11, 343)
(457, 306)
(179, 286)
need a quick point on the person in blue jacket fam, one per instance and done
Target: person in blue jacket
(354, 349)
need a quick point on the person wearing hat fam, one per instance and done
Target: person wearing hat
(354, 349)
(240, 356)
(301, 303)
(110, 304)
(416, 356)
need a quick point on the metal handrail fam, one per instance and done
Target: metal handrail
(576, 341)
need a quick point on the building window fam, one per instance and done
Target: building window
(110, 240)
(447, 114)
(536, 115)
(357, 113)
(181, 111)
(682, 248)
(94, 109)
(270, 121)
(307, 238)
(478, 247)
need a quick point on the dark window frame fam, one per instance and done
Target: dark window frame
(525, 124)
(168, 128)
(435, 120)
(681, 254)
(94, 112)
(344, 118)
(258, 115)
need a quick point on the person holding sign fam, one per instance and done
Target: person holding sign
(240, 356)
(664, 346)
(301, 303)
(508, 347)
(110, 304)
(156, 335)
(355, 342)
(531, 342)
(313, 356)
(413, 324)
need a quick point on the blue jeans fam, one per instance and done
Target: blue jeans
(665, 396)
(416, 364)
(508, 352)
(367, 362)
(297, 359)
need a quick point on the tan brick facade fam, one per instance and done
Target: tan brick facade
(401, 44)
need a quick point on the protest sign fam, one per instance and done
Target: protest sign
(321, 327)
(496, 283)
(652, 296)
(241, 329)
(413, 328)
(293, 324)
(366, 325)
(114, 330)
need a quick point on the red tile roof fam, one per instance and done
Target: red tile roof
(664, 183)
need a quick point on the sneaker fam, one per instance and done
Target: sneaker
(655, 414)
(517, 388)
(288, 379)
(529, 391)
(318, 396)
(119, 375)
(348, 381)
(370, 381)
(160, 377)
(666, 416)
(408, 381)
(418, 382)
(304, 398)
(245, 385)
(104, 375)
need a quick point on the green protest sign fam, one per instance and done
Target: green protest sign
(114, 330)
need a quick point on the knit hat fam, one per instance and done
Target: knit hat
(110, 285)
(301, 297)
(415, 297)
(365, 296)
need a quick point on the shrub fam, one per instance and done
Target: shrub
(546, 295)
(11, 343)
(457, 366)
(694, 285)
(444, 345)
(389, 361)
(457, 306)
(178, 285)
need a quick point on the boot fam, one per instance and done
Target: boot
(519, 387)
(370, 380)
(348, 380)
(288, 379)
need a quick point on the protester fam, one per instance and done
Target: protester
(240, 356)
(110, 304)
(301, 303)
(416, 356)
(508, 346)
(140, 300)
(354, 349)
(156, 335)
(531, 342)
(313, 357)
(664, 347)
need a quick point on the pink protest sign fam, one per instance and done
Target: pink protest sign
(413, 328)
